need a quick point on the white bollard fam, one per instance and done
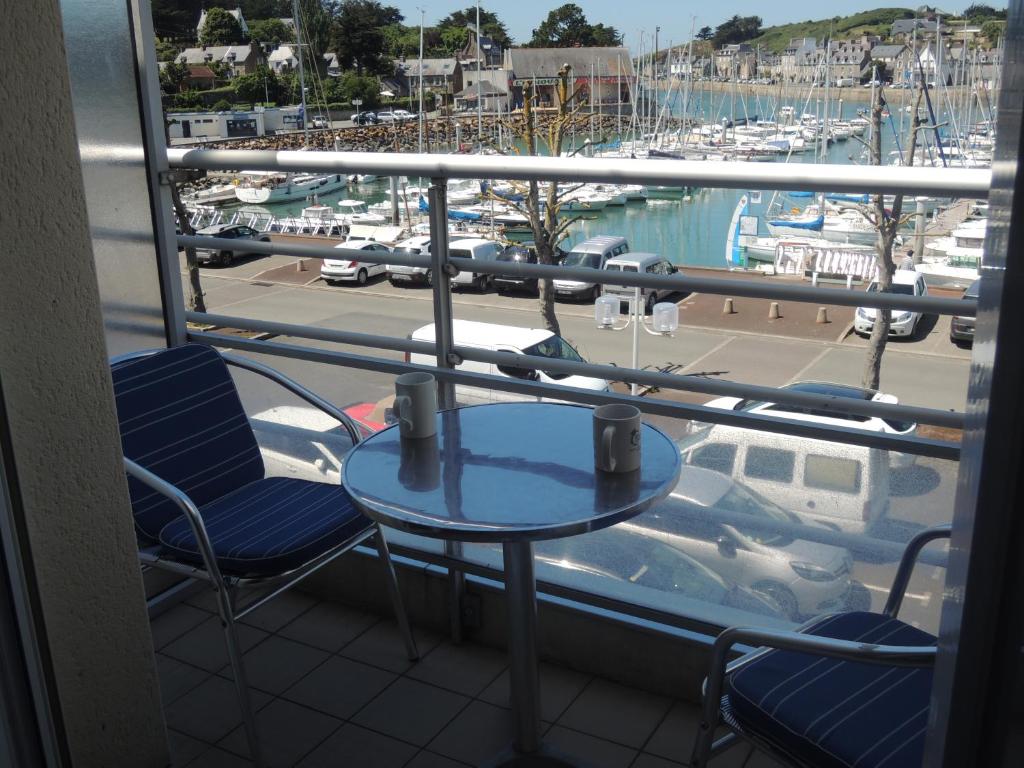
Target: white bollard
(814, 279)
(728, 308)
(773, 311)
(300, 265)
(849, 282)
(822, 315)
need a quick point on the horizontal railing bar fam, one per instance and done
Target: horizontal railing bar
(757, 289)
(918, 446)
(686, 383)
(725, 287)
(837, 405)
(313, 332)
(302, 250)
(794, 176)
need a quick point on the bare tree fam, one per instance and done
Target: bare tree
(887, 224)
(196, 300)
(545, 225)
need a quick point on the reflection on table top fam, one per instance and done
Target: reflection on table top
(504, 472)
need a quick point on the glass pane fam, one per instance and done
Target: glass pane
(769, 464)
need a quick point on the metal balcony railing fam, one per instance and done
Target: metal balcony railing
(440, 168)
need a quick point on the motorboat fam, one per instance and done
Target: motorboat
(273, 187)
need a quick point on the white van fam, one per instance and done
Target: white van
(592, 253)
(642, 263)
(506, 338)
(473, 248)
(845, 487)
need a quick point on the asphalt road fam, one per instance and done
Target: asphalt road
(928, 371)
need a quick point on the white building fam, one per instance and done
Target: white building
(236, 124)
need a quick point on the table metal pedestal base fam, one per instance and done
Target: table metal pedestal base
(521, 599)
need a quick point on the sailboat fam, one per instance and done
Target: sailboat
(274, 187)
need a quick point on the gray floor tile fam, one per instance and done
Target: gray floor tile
(466, 668)
(184, 749)
(480, 732)
(675, 736)
(616, 712)
(287, 733)
(276, 664)
(177, 678)
(558, 688)
(279, 611)
(590, 750)
(411, 711)
(218, 758)
(329, 626)
(643, 760)
(431, 760)
(382, 646)
(340, 687)
(760, 760)
(204, 645)
(175, 623)
(355, 746)
(204, 599)
(210, 711)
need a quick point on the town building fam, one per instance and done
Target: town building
(240, 59)
(285, 58)
(493, 98)
(262, 121)
(905, 30)
(606, 72)
(736, 61)
(441, 77)
(795, 57)
(850, 60)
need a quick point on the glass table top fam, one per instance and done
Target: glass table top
(504, 472)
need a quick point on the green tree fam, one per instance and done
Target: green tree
(567, 26)
(992, 30)
(220, 28)
(271, 31)
(259, 86)
(705, 33)
(357, 34)
(737, 30)
(356, 86)
(173, 76)
(979, 12)
(167, 50)
(490, 25)
(222, 105)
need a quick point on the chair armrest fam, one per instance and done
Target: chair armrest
(297, 389)
(907, 563)
(187, 507)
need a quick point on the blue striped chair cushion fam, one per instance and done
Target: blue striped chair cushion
(270, 526)
(181, 418)
(831, 713)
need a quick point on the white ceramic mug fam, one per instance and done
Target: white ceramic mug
(416, 404)
(617, 438)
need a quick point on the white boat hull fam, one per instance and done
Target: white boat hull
(289, 190)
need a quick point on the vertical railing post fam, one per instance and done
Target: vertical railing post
(441, 283)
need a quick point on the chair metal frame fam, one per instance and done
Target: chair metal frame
(226, 587)
(715, 707)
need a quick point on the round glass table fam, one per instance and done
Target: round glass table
(508, 473)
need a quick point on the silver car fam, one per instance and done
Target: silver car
(751, 541)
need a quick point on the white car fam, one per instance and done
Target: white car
(822, 416)
(395, 116)
(904, 322)
(320, 122)
(334, 270)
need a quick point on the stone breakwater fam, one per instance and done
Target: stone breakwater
(441, 134)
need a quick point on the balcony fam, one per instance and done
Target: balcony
(625, 647)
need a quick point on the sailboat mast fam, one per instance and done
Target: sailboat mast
(422, 12)
(302, 75)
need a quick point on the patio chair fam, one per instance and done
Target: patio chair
(849, 689)
(201, 504)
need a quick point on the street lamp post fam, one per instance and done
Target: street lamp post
(665, 320)
(479, 88)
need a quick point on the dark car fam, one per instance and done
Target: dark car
(961, 327)
(224, 258)
(366, 118)
(517, 254)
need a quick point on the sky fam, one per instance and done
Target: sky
(631, 17)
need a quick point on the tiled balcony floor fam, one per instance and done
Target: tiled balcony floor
(332, 687)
